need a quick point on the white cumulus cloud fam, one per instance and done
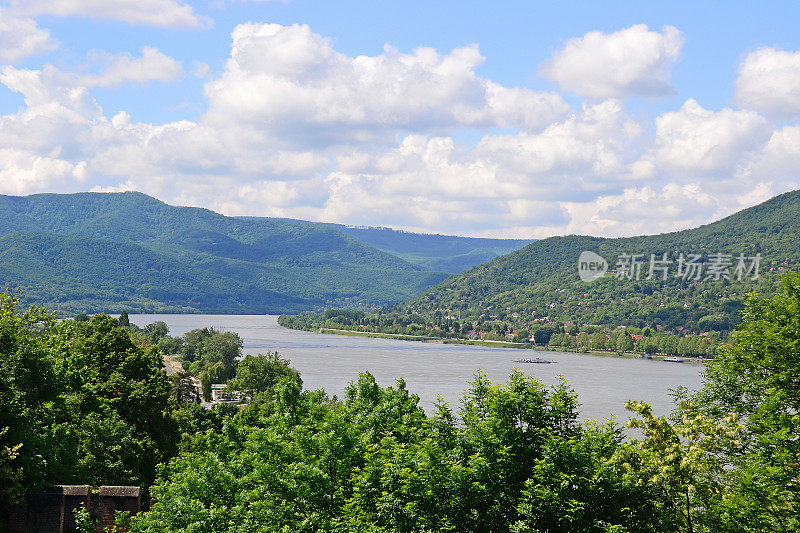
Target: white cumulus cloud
(508, 180)
(24, 172)
(633, 61)
(153, 65)
(778, 160)
(642, 210)
(694, 140)
(293, 79)
(769, 81)
(166, 13)
(21, 37)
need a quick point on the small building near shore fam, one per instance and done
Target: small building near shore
(221, 394)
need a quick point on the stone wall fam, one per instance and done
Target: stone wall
(53, 510)
(113, 499)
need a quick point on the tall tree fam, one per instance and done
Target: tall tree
(729, 460)
(123, 319)
(81, 403)
(222, 348)
(28, 388)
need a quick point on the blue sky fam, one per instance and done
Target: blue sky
(525, 119)
(515, 37)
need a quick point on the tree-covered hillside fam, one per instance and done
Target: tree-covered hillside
(540, 284)
(542, 281)
(95, 252)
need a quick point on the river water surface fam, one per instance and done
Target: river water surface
(603, 384)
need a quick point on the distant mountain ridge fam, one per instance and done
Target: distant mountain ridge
(110, 251)
(444, 253)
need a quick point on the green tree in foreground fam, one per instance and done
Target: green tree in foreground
(81, 403)
(27, 388)
(255, 374)
(514, 460)
(756, 376)
(730, 459)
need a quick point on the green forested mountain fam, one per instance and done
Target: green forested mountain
(541, 280)
(444, 253)
(539, 284)
(93, 252)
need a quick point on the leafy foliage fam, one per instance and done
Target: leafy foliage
(755, 377)
(376, 462)
(260, 373)
(81, 403)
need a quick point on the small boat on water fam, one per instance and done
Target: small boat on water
(674, 359)
(535, 360)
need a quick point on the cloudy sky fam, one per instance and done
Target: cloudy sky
(501, 119)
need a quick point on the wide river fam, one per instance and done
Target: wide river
(603, 384)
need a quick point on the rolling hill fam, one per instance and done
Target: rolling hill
(539, 284)
(102, 252)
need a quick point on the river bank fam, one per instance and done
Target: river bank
(421, 338)
(503, 344)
